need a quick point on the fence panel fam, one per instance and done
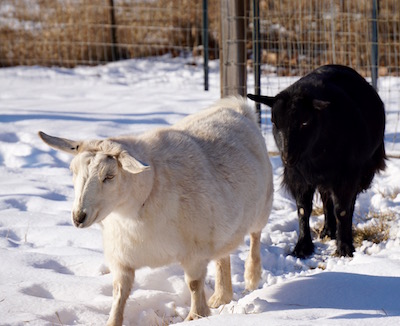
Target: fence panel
(298, 36)
(80, 32)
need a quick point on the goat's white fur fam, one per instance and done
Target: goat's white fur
(187, 193)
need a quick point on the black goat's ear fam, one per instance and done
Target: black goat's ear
(267, 100)
(320, 104)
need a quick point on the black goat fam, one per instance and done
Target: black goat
(329, 127)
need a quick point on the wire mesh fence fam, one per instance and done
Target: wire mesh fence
(298, 36)
(90, 32)
(295, 36)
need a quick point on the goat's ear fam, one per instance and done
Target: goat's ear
(62, 144)
(320, 104)
(267, 100)
(130, 164)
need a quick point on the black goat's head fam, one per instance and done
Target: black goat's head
(295, 123)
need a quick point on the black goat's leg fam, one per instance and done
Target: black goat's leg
(329, 229)
(344, 209)
(304, 246)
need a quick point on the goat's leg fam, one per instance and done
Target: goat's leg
(223, 283)
(195, 273)
(329, 229)
(344, 208)
(122, 285)
(304, 246)
(252, 271)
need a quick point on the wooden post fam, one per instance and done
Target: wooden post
(233, 48)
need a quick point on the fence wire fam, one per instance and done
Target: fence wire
(91, 32)
(297, 36)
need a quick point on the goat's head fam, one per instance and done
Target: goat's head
(98, 168)
(295, 123)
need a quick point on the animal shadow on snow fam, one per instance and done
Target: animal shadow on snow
(347, 291)
(133, 118)
(391, 138)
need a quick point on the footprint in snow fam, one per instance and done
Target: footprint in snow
(37, 290)
(53, 265)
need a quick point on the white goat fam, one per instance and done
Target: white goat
(187, 193)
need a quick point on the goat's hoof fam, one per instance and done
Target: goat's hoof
(217, 300)
(113, 323)
(326, 232)
(303, 250)
(345, 250)
(200, 312)
(194, 316)
(191, 317)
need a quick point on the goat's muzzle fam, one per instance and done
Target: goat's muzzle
(79, 218)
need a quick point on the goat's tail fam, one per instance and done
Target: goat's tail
(377, 163)
(380, 157)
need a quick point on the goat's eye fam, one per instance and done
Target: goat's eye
(108, 178)
(305, 124)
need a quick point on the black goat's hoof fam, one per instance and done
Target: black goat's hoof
(326, 232)
(303, 249)
(344, 250)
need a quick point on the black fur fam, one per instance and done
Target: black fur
(329, 127)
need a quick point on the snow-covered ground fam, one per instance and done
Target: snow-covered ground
(54, 274)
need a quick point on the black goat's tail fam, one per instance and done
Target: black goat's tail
(380, 157)
(376, 164)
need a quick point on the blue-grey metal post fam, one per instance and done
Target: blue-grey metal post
(205, 43)
(257, 54)
(374, 44)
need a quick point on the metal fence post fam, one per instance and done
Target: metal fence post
(114, 52)
(205, 43)
(257, 55)
(374, 44)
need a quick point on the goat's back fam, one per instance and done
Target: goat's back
(355, 118)
(232, 147)
(212, 182)
(351, 136)
(352, 96)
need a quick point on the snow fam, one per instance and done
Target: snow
(54, 274)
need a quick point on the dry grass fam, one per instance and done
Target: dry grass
(377, 231)
(317, 211)
(71, 32)
(297, 36)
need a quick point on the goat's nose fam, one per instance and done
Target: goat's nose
(79, 218)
